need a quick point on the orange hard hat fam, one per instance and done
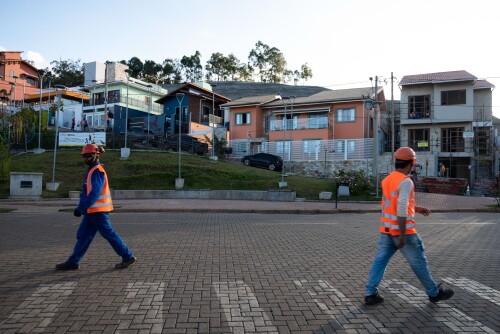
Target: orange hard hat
(405, 153)
(92, 148)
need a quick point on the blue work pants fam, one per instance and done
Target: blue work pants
(414, 252)
(90, 225)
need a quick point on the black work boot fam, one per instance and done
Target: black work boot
(125, 264)
(443, 294)
(67, 266)
(373, 299)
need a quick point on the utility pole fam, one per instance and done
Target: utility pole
(375, 133)
(392, 118)
(105, 92)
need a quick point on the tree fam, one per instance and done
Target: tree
(172, 72)
(191, 66)
(277, 65)
(257, 58)
(270, 62)
(305, 72)
(67, 72)
(220, 67)
(136, 66)
(216, 67)
(152, 72)
(245, 72)
(233, 66)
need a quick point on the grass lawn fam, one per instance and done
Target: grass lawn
(157, 170)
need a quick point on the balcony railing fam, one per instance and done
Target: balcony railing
(299, 124)
(132, 103)
(329, 150)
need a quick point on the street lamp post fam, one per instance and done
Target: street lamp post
(12, 88)
(15, 90)
(213, 156)
(179, 182)
(292, 100)
(41, 75)
(150, 107)
(52, 186)
(24, 76)
(93, 102)
(283, 183)
(125, 151)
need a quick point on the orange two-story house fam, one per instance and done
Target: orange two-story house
(18, 78)
(333, 124)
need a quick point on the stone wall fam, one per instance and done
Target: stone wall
(327, 169)
(322, 169)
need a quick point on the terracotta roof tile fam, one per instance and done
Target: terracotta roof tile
(483, 84)
(437, 77)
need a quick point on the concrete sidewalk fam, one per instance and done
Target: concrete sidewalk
(435, 202)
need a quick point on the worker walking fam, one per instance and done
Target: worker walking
(398, 232)
(95, 204)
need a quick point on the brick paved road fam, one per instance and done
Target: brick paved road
(244, 273)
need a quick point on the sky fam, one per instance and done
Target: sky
(344, 42)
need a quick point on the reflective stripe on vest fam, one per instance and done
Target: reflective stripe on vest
(104, 203)
(389, 218)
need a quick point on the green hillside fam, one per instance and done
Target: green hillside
(158, 170)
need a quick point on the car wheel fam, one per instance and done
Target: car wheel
(271, 167)
(246, 162)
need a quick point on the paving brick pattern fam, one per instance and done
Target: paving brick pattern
(244, 273)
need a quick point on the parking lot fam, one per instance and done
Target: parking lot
(244, 273)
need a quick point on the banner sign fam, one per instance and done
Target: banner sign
(82, 138)
(423, 143)
(468, 134)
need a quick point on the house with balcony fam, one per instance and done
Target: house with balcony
(446, 117)
(326, 126)
(18, 78)
(117, 99)
(200, 107)
(72, 101)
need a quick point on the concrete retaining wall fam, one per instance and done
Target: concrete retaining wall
(26, 185)
(256, 195)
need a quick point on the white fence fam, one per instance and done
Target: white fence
(307, 150)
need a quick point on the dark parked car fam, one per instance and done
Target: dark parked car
(188, 144)
(136, 134)
(265, 160)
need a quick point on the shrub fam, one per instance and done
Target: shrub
(359, 183)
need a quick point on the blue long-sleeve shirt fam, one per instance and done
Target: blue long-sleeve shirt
(97, 179)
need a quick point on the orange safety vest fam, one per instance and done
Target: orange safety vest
(389, 219)
(104, 202)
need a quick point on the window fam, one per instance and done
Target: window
(206, 111)
(311, 145)
(346, 115)
(30, 81)
(419, 106)
(346, 145)
(242, 118)
(283, 145)
(318, 121)
(452, 97)
(114, 96)
(11, 73)
(311, 148)
(418, 139)
(290, 124)
(452, 140)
